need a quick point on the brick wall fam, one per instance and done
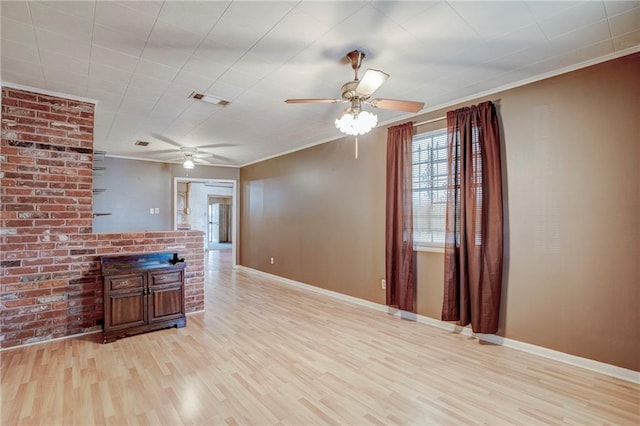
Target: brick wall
(50, 282)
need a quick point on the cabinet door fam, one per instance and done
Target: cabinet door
(125, 301)
(166, 295)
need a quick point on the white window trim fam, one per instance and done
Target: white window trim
(428, 248)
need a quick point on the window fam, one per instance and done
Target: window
(429, 170)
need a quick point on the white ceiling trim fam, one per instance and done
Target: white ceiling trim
(47, 92)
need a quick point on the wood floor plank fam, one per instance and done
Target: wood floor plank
(265, 353)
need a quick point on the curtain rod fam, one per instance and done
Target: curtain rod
(433, 120)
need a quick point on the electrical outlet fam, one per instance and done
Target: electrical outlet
(383, 284)
(272, 261)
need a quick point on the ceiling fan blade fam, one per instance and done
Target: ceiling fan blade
(166, 140)
(219, 157)
(160, 151)
(407, 106)
(313, 101)
(371, 81)
(201, 160)
(176, 159)
(215, 145)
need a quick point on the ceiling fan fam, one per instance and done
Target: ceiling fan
(355, 121)
(191, 155)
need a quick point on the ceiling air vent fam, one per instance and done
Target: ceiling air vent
(142, 143)
(209, 99)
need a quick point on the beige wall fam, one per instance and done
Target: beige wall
(571, 146)
(318, 213)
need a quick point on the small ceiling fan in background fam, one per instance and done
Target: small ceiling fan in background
(189, 156)
(354, 120)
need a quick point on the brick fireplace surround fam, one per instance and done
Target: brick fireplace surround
(50, 281)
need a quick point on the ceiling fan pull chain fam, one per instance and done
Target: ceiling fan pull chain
(356, 147)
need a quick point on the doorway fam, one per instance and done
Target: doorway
(219, 222)
(210, 206)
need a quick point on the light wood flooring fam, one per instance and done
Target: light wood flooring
(264, 353)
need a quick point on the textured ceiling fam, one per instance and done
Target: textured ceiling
(141, 60)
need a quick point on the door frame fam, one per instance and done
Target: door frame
(234, 209)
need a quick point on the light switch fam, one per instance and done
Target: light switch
(151, 210)
(157, 210)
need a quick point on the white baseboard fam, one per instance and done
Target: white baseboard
(588, 364)
(308, 287)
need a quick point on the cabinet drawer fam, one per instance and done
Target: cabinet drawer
(124, 282)
(166, 277)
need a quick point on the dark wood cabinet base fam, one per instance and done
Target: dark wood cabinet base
(142, 293)
(112, 336)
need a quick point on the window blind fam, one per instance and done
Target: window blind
(429, 185)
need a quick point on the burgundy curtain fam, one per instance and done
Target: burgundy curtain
(473, 241)
(399, 219)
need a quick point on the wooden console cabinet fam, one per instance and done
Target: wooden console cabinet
(142, 293)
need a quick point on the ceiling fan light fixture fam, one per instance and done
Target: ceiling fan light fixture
(188, 164)
(356, 123)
